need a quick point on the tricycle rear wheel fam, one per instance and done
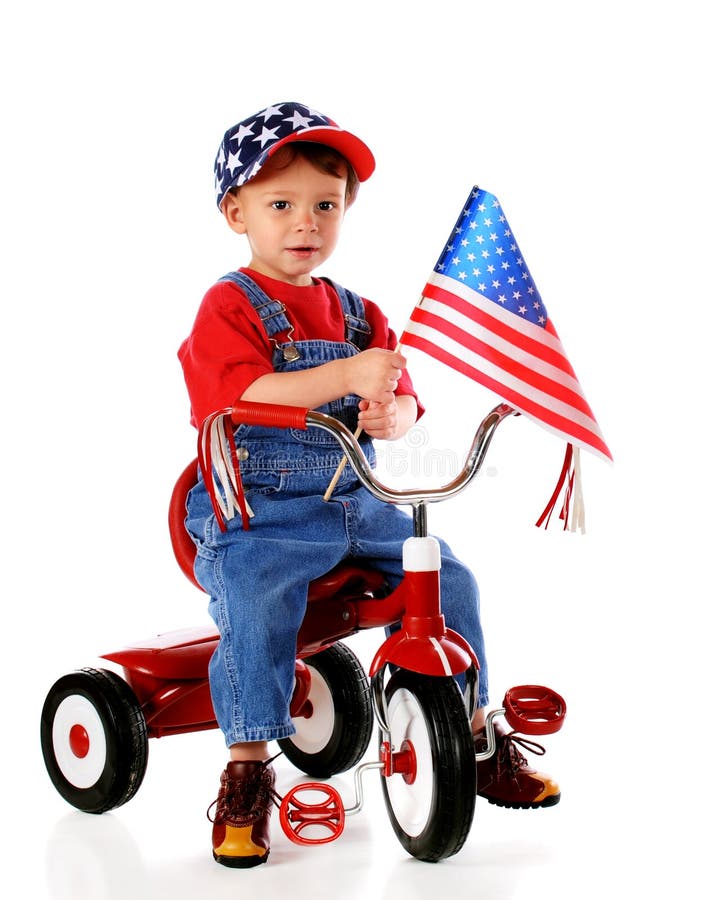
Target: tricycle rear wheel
(335, 737)
(94, 740)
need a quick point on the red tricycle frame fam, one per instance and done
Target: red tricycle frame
(95, 724)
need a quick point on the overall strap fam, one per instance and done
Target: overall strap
(271, 312)
(357, 329)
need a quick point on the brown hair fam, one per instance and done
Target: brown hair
(324, 158)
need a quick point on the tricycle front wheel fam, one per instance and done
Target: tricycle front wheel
(430, 797)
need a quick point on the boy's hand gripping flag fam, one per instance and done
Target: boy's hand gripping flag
(482, 314)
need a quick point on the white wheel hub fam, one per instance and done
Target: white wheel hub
(79, 742)
(313, 734)
(412, 804)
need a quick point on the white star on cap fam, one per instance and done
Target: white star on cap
(242, 132)
(253, 172)
(271, 111)
(267, 134)
(233, 162)
(298, 120)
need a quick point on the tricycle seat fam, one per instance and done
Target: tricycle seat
(184, 654)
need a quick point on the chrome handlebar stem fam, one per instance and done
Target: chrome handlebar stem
(413, 496)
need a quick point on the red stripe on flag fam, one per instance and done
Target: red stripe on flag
(525, 373)
(567, 427)
(487, 320)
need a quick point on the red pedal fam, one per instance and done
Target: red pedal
(297, 815)
(533, 709)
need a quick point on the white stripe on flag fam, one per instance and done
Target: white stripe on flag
(524, 357)
(483, 367)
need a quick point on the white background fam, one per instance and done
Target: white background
(594, 123)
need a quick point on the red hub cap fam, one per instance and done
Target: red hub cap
(79, 741)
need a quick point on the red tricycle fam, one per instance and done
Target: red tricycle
(95, 724)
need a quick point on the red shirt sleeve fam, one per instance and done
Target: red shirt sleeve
(226, 351)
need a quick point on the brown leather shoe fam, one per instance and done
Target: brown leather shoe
(241, 824)
(506, 779)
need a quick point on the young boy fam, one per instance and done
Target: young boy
(274, 333)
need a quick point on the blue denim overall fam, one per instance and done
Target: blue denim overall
(257, 580)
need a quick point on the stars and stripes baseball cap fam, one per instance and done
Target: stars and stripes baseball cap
(247, 146)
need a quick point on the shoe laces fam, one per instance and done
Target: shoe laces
(242, 801)
(508, 754)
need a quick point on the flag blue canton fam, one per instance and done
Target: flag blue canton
(482, 254)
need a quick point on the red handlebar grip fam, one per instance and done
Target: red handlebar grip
(269, 414)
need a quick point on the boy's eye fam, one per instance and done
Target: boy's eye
(326, 205)
(280, 204)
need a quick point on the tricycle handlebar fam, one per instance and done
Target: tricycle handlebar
(296, 417)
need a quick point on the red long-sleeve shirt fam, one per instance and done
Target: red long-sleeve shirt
(228, 349)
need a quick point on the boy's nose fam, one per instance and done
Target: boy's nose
(306, 220)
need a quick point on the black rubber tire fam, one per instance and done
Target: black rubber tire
(337, 735)
(432, 816)
(112, 765)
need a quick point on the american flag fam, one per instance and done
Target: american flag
(482, 314)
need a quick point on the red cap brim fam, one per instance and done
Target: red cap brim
(355, 151)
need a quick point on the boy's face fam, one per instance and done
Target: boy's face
(291, 216)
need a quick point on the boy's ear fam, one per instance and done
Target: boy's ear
(232, 210)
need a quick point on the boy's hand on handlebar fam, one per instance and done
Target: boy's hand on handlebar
(374, 375)
(379, 420)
